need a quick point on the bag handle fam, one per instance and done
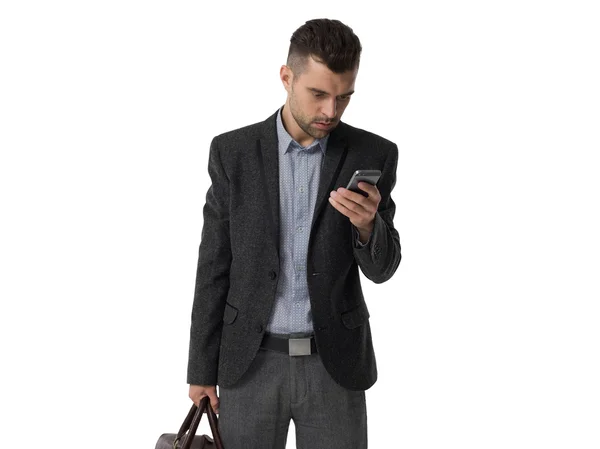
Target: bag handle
(186, 424)
(192, 421)
(214, 425)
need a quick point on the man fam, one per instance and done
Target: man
(279, 321)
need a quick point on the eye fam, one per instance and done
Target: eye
(344, 97)
(318, 95)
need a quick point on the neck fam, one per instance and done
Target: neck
(290, 125)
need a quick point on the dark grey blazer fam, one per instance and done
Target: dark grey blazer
(238, 264)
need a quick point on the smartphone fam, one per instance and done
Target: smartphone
(370, 176)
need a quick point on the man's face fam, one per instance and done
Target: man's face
(317, 99)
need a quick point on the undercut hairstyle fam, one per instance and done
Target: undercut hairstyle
(329, 42)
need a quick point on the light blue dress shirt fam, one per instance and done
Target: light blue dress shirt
(299, 173)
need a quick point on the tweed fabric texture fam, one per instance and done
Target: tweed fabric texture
(239, 259)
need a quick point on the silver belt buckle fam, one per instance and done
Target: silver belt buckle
(299, 346)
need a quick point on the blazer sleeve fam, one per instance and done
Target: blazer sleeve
(357, 242)
(212, 277)
(379, 259)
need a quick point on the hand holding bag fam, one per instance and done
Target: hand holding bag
(186, 437)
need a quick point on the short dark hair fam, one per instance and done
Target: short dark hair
(327, 41)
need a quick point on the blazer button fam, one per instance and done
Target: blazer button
(272, 274)
(259, 328)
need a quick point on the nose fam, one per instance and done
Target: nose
(330, 108)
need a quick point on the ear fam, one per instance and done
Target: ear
(287, 77)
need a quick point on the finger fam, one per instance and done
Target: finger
(371, 202)
(343, 209)
(196, 400)
(214, 401)
(371, 189)
(337, 206)
(355, 202)
(343, 198)
(350, 195)
(367, 187)
(368, 203)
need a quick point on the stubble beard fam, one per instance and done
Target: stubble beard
(313, 132)
(305, 123)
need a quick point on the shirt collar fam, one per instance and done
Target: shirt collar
(286, 141)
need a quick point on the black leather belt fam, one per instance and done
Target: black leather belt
(290, 345)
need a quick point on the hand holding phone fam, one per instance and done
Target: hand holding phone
(370, 176)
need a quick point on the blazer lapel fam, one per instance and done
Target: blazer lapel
(337, 148)
(267, 151)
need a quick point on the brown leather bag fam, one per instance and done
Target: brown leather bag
(186, 437)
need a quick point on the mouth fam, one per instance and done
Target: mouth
(323, 125)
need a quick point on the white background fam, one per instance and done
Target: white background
(488, 334)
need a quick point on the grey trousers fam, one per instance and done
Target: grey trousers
(255, 413)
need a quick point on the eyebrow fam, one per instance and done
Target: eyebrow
(318, 91)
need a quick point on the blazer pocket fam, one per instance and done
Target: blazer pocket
(356, 317)
(230, 314)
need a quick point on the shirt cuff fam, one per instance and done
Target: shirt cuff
(357, 240)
